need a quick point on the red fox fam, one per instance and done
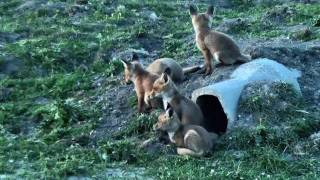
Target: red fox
(212, 43)
(172, 68)
(188, 111)
(143, 79)
(143, 82)
(191, 140)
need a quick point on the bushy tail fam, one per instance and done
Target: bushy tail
(189, 152)
(244, 58)
(191, 69)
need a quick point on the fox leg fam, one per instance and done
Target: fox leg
(207, 57)
(189, 152)
(140, 102)
(224, 58)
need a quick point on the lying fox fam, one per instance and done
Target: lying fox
(212, 43)
(143, 79)
(191, 140)
(187, 111)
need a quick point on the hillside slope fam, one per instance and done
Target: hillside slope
(66, 113)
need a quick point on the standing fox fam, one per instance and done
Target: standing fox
(191, 140)
(212, 43)
(187, 111)
(143, 79)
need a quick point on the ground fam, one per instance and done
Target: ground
(65, 111)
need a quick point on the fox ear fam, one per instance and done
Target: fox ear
(193, 10)
(165, 77)
(126, 64)
(168, 107)
(210, 10)
(170, 112)
(135, 57)
(167, 71)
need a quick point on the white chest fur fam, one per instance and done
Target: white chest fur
(171, 136)
(166, 100)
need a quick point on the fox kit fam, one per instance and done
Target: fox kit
(214, 44)
(172, 68)
(169, 66)
(143, 82)
(188, 112)
(143, 79)
(191, 140)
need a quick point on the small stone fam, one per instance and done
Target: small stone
(153, 16)
(303, 34)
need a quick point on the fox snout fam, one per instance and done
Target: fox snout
(150, 96)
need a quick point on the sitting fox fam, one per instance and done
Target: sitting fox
(187, 111)
(143, 79)
(191, 140)
(212, 43)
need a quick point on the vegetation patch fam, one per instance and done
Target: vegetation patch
(52, 106)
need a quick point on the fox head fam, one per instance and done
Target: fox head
(131, 69)
(161, 86)
(167, 121)
(201, 20)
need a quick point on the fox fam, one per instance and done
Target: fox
(172, 68)
(143, 79)
(187, 111)
(214, 44)
(191, 140)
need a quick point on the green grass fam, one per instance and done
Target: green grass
(51, 110)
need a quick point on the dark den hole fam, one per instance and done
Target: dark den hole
(215, 118)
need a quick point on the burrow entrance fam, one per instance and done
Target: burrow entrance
(215, 118)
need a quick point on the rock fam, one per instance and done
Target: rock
(103, 55)
(127, 54)
(152, 146)
(233, 25)
(153, 16)
(149, 14)
(10, 65)
(77, 10)
(302, 34)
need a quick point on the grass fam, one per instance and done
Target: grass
(50, 108)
